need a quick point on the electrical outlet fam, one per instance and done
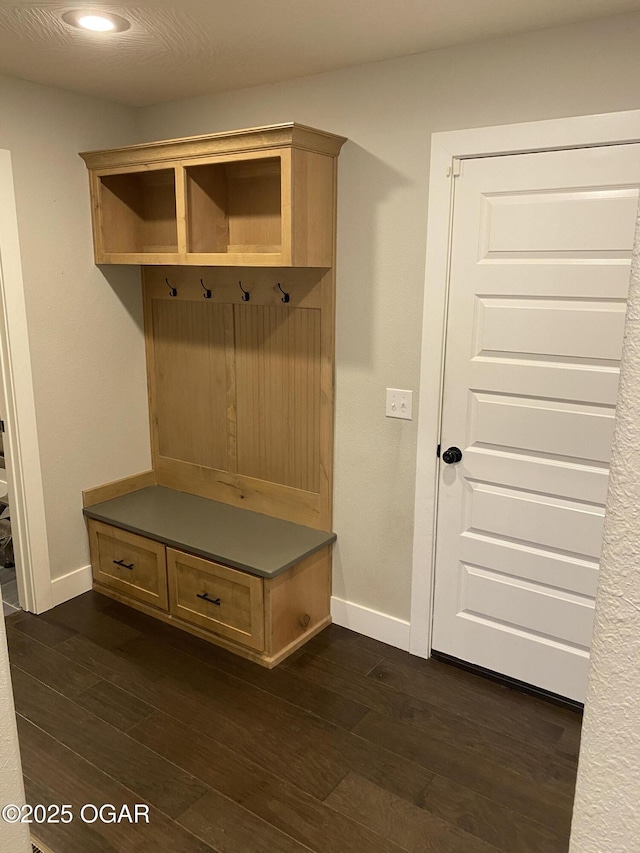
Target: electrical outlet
(399, 404)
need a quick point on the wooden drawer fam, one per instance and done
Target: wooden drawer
(223, 600)
(129, 564)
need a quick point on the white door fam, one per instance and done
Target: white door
(540, 260)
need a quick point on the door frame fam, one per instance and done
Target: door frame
(447, 150)
(22, 451)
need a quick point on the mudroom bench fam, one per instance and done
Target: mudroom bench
(257, 585)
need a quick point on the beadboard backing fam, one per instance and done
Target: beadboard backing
(241, 392)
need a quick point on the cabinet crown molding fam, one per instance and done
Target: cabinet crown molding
(289, 134)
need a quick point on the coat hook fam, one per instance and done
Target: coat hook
(286, 296)
(172, 290)
(207, 292)
(246, 296)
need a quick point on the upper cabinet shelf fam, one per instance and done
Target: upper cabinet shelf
(258, 197)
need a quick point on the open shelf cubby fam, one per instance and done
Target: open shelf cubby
(235, 207)
(259, 197)
(139, 212)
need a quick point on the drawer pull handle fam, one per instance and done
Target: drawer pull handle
(205, 597)
(123, 564)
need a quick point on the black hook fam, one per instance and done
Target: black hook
(286, 296)
(172, 290)
(207, 292)
(246, 296)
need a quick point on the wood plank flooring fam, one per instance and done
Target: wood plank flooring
(351, 746)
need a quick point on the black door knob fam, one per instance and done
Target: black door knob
(451, 455)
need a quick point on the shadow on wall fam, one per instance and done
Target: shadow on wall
(125, 282)
(365, 184)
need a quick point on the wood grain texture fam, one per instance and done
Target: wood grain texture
(403, 823)
(206, 634)
(241, 395)
(86, 837)
(297, 601)
(116, 707)
(543, 801)
(254, 205)
(138, 768)
(313, 205)
(48, 667)
(86, 615)
(504, 710)
(137, 212)
(332, 645)
(318, 700)
(63, 776)
(131, 564)
(214, 144)
(282, 819)
(231, 828)
(278, 395)
(541, 763)
(484, 818)
(38, 629)
(189, 381)
(117, 488)
(327, 395)
(260, 496)
(278, 735)
(207, 209)
(275, 801)
(239, 758)
(181, 210)
(235, 608)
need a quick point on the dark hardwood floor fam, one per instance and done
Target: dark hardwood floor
(350, 746)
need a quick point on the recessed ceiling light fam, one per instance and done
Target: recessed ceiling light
(96, 21)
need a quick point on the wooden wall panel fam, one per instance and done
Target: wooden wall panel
(207, 209)
(120, 214)
(314, 206)
(159, 231)
(278, 394)
(254, 206)
(190, 405)
(259, 433)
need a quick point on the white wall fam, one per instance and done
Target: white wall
(85, 327)
(388, 110)
(606, 816)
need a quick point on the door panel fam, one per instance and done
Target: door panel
(542, 426)
(547, 521)
(541, 248)
(504, 599)
(549, 327)
(537, 222)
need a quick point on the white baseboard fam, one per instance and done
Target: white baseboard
(70, 585)
(371, 623)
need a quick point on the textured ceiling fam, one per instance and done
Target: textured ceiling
(200, 46)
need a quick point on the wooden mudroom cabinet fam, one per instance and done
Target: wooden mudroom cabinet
(229, 535)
